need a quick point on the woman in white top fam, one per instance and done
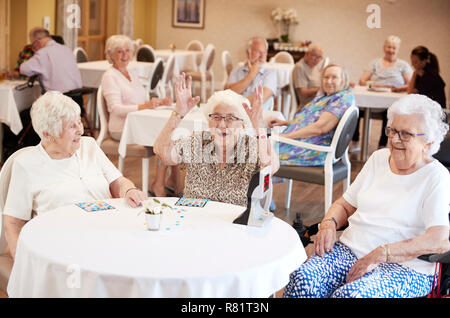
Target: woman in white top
(386, 72)
(124, 93)
(64, 168)
(397, 209)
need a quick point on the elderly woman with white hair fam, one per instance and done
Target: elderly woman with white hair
(221, 161)
(386, 72)
(316, 122)
(396, 210)
(124, 93)
(64, 168)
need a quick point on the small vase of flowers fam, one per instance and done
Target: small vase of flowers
(285, 18)
(154, 209)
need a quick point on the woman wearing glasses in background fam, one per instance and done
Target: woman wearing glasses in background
(221, 161)
(396, 210)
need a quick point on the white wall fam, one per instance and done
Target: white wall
(339, 25)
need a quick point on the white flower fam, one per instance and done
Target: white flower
(154, 206)
(288, 16)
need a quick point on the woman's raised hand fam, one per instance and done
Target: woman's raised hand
(256, 112)
(185, 101)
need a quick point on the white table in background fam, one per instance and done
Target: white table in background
(368, 100)
(12, 102)
(68, 252)
(184, 59)
(143, 127)
(92, 72)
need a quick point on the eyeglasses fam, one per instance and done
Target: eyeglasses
(229, 119)
(403, 135)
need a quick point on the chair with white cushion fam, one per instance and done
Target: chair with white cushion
(196, 45)
(111, 146)
(282, 57)
(337, 165)
(6, 261)
(205, 72)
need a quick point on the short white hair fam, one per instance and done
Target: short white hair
(314, 47)
(394, 40)
(256, 39)
(230, 99)
(432, 123)
(49, 111)
(114, 42)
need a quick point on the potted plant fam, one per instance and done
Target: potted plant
(153, 209)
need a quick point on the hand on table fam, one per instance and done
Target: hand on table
(134, 197)
(277, 122)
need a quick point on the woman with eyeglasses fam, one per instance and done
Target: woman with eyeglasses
(221, 161)
(316, 122)
(396, 210)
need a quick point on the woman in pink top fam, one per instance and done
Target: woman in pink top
(124, 93)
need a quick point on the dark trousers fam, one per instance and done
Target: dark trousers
(383, 138)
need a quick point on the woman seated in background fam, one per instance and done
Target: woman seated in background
(388, 72)
(317, 121)
(426, 79)
(64, 168)
(221, 161)
(124, 93)
(396, 210)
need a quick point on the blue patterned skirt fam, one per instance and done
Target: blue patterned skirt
(322, 277)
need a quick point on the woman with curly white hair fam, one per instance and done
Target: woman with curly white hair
(64, 168)
(221, 161)
(396, 210)
(124, 93)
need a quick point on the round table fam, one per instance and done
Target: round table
(198, 252)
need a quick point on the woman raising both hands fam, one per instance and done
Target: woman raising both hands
(220, 161)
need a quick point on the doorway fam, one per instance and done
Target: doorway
(92, 34)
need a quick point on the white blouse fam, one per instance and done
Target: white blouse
(40, 183)
(122, 96)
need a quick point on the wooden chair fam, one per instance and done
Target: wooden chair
(111, 146)
(337, 165)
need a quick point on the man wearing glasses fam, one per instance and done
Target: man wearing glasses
(307, 74)
(244, 79)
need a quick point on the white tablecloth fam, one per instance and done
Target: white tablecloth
(184, 59)
(92, 72)
(12, 102)
(143, 127)
(367, 99)
(197, 252)
(283, 71)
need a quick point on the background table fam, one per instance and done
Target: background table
(72, 253)
(368, 100)
(92, 72)
(143, 127)
(12, 102)
(184, 59)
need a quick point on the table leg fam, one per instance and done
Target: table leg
(366, 133)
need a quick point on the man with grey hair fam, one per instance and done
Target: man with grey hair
(307, 74)
(55, 63)
(244, 79)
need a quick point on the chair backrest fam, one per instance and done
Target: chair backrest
(157, 73)
(344, 131)
(103, 114)
(443, 155)
(195, 45)
(208, 58)
(294, 96)
(80, 55)
(227, 64)
(5, 177)
(283, 57)
(168, 70)
(145, 53)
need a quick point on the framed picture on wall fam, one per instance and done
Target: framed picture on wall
(188, 14)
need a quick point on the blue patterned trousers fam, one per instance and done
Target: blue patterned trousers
(322, 277)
